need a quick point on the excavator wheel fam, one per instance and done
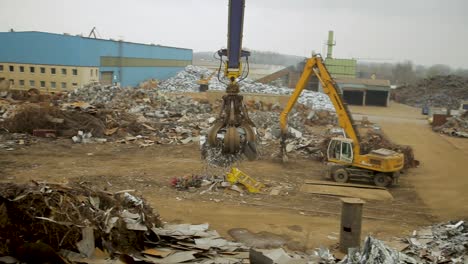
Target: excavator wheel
(340, 175)
(382, 180)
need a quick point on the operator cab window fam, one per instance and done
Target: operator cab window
(339, 150)
(346, 152)
(334, 149)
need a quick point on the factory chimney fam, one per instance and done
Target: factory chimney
(330, 44)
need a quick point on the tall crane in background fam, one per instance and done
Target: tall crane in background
(233, 130)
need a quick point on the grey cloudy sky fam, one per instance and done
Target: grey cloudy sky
(424, 31)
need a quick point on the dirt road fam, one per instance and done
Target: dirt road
(442, 178)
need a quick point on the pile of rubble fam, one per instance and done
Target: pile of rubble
(95, 93)
(441, 243)
(84, 225)
(99, 113)
(439, 91)
(455, 126)
(186, 81)
(374, 140)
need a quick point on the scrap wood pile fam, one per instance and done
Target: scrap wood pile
(82, 224)
(376, 140)
(438, 91)
(455, 126)
(29, 117)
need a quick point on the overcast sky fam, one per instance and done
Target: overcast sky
(423, 31)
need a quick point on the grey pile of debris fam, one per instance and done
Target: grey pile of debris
(94, 93)
(438, 91)
(456, 126)
(186, 81)
(149, 116)
(440, 243)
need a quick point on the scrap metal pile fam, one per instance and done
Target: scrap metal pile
(146, 115)
(83, 224)
(438, 91)
(441, 243)
(455, 126)
(186, 81)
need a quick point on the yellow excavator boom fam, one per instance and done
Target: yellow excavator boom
(316, 66)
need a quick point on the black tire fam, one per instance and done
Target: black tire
(340, 175)
(382, 180)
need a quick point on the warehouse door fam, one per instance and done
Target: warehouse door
(376, 98)
(353, 97)
(106, 77)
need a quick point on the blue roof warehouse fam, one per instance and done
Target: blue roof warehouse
(55, 62)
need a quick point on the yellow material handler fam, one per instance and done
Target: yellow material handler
(381, 166)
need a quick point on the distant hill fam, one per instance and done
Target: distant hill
(256, 57)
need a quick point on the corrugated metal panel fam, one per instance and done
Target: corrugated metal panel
(134, 75)
(341, 67)
(141, 62)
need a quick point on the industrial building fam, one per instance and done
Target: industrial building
(370, 92)
(356, 91)
(55, 62)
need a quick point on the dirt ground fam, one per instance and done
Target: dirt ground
(441, 181)
(427, 194)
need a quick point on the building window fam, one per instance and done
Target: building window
(74, 85)
(32, 83)
(96, 73)
(12, 82)
(1, 68)
(21, 68)
(64, 71)
(12, 68)
(53, 85)
(91, 72)
(32, 69)
(64, 85)
(42, 70)
(21, 83)
(75, 72)
(53, 71)
(42, 84)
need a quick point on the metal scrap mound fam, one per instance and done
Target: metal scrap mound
(186, 81)
(440, 243)
(455, 126)
(38, 220)
(438, 91)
